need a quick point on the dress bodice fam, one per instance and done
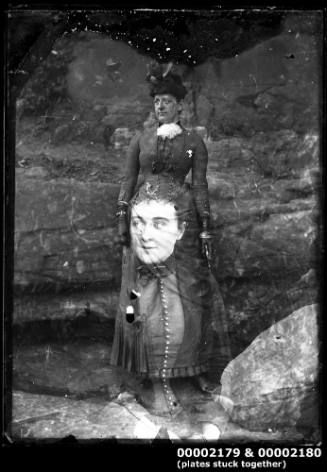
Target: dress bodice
(170, 157)
(149, 155)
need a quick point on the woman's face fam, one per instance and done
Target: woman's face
(166, 108)
(154, 230)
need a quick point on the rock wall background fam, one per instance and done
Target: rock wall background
(259, 114)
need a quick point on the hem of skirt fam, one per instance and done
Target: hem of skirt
(189, 371)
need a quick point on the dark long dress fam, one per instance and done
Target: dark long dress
(180, 327)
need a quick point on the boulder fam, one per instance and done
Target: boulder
(273, 383)
(64, 233)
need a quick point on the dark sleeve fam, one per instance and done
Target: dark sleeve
(131, 170)
(199, 178)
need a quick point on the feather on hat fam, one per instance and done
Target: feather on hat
(163, 81)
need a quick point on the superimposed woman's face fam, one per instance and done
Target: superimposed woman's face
(166, 108)
(154, 230)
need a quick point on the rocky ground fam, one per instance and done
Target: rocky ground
(69, 389)
(63, 385)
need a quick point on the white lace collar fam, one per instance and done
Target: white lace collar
(169, 130)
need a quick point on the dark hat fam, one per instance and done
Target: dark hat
(163, 81)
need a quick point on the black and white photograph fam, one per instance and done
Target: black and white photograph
(165, 181)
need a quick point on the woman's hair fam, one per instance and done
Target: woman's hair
(163, 81)
(161, 190)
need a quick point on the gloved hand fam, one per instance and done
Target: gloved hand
(123, 231)
(207, 250)
(206, 241)
(122, 237)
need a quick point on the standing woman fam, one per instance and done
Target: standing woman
(158, 161)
